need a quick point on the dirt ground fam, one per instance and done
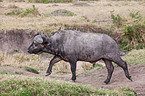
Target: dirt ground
(96, 77)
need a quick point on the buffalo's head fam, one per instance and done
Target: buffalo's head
(38, 45)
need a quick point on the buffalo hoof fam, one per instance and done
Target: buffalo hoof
(72, 80)
(129, 77)
(47, 74)
(104, 83)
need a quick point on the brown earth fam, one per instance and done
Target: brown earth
(96, 77)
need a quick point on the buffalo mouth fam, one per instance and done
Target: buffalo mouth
(34, 52)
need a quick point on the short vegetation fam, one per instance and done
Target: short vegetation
(135, 57)
(132, 30)
(28, 12)
(16, 85)
(31, 63)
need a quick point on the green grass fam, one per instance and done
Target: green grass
(31, 70)
(135, 57)
(132, 30)
(28, 12)
(17, 85)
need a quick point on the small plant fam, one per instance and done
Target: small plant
(87, 66)
(117, 20)
(5, 72)
(62, 67)
(135, 15)
(85, 18)
(31, 70)
(28, 12)
(15, 12)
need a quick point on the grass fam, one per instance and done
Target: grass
(135, 57)
(10, 72)
(87, 66)
(21, 60)
(132, 29)
(34, 63)
(31, 70)
(32, 86)
(28, 12)
(85, 15)
(12, 84)
(124, 22)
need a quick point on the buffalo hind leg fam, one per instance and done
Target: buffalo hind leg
(73, 70)
(54, 60)
(110, 70)
(123, 65)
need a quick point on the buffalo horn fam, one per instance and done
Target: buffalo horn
(43, 37)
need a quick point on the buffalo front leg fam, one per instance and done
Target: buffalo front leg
(73, 70)
(54, 60)
(110, 69)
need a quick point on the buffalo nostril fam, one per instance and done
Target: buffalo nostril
(28, 51)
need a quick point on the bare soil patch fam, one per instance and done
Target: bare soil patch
(62, 12)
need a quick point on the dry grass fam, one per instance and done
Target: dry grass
(21, 60)
(97, 11)
(135, 57)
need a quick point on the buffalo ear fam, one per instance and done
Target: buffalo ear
(43, 37)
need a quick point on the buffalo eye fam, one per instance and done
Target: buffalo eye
(36, 45)
(45, 43)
